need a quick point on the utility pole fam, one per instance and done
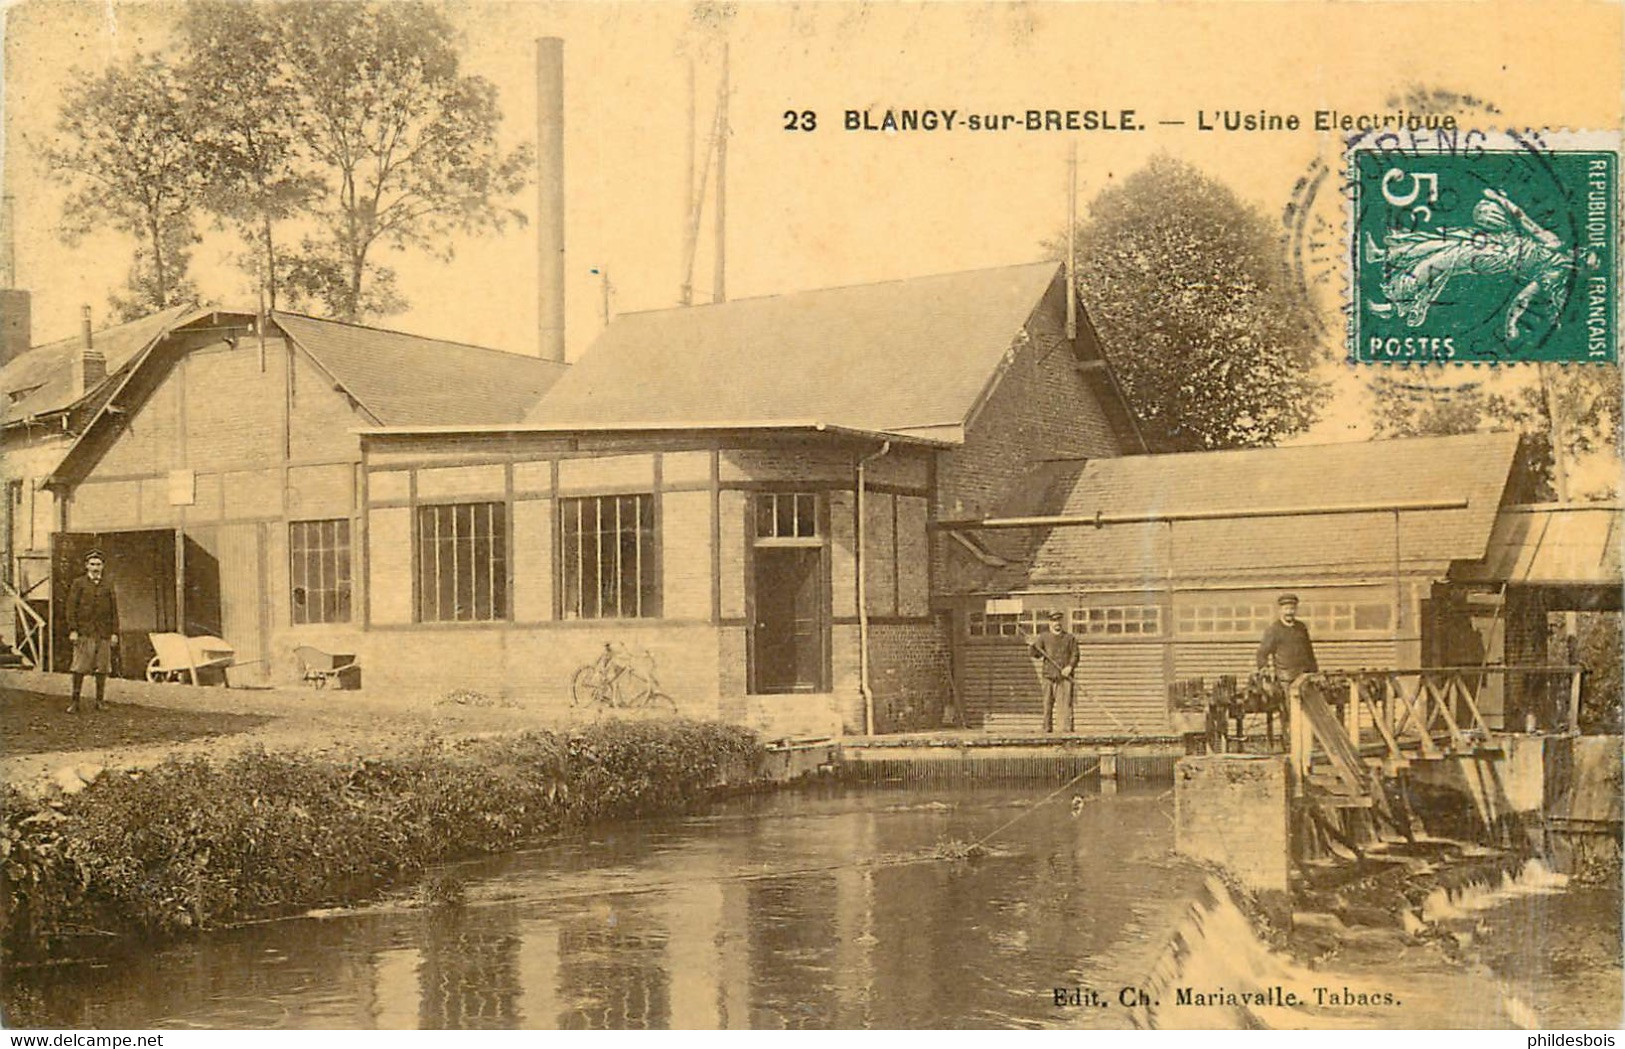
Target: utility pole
(685, 294)
(1072, 244)
(719, 282)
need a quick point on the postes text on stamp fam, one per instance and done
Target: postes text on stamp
(1501, 252)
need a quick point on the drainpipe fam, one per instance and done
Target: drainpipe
(863, 597)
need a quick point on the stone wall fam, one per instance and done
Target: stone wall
(1231, 810)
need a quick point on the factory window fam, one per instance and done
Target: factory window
(608, 563)
(319, 570)
(462, 562)
(1117, 621)
(1324, 618)
(1003, 624)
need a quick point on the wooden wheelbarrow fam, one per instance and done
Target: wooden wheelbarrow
(319, 669)
(180, 658)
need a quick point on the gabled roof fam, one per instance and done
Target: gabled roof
(894, 357)
(410, 380)
(42, 381)
(1470, 468)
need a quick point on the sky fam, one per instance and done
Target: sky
(832, 207)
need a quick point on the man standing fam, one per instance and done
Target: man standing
(92, 628)
(1057, 653)
(1286, 645)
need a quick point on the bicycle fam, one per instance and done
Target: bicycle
(619, 680)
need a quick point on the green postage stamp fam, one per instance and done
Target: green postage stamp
(1484, 248)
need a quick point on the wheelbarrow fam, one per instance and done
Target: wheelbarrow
(319, 669)
(180, 658)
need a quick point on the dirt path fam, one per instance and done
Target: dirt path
(143, 724)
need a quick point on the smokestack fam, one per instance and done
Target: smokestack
(16, 324)
(91, 366)
(550, 194)
(16, 306)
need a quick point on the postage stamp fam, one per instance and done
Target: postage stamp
(1501, 249)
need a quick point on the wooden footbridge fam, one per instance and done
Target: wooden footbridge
(1352, 734)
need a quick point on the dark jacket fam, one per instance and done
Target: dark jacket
(1056, 651)
(92, 608)
(1290, 645)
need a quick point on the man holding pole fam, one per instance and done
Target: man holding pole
(1057, 652)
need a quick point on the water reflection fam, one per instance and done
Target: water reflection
(798, 911)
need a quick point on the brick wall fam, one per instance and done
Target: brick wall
(1041, 409)
(908, 667)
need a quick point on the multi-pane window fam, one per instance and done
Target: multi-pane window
(1003, 624)
(319, 570)
(1324, 618)
(462, 562)
(607, 557)
(1117, 620)
(786, 515)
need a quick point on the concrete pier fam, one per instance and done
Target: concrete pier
(1232, 810)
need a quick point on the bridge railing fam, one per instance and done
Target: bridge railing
(1427, 711)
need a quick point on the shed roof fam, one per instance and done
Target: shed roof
(1469, 468)
(411, 380)
(897, 356)
(42, 381)
(1570, 544)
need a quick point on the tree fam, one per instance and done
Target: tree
(243, 106)
(402, 143)
(125, 147)
(1187, 285)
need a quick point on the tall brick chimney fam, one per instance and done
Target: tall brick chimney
(16, 324)
(90, 367)
(16, 306)
(550, 194)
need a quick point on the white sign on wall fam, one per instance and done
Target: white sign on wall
(1004, 606)
(182, 488)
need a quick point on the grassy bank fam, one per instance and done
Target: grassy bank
(193, 844)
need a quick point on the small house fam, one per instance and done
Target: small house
(741, 495)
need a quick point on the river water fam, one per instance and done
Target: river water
(802, 909)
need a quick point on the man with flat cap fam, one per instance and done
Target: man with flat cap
(92, 627)
(1286, 645)
(1057, 655)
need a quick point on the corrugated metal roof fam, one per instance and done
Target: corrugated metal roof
(42, 380)
(895, 356)
(1567, 545)
(1470, 467)
(407, 379)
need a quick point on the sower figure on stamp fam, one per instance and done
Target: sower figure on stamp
(92, 628)
(1057, 652)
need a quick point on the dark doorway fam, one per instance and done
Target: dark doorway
(790, 639)
(142, 568)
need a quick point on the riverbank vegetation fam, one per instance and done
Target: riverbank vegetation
(194, 843)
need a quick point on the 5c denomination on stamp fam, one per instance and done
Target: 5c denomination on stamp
(1498, 253)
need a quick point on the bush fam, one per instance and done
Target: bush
(193, 844)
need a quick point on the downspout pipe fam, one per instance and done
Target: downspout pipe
(863, 592)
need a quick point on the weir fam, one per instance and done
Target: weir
(1379, 757)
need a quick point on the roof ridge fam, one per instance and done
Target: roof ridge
(413, 335)
(179, 309)
(1319, 445)
(838, 287)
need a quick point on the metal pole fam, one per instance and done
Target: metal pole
(1072, 244)
(550, 195)
(686, 293)
(719, 283)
